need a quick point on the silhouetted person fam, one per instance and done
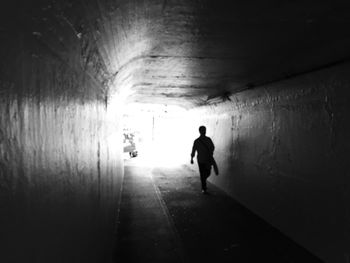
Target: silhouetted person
(205, 149)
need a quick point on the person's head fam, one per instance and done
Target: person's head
(202, 130)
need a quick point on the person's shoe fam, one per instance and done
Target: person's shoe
(204, 192)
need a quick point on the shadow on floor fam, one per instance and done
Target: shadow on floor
(198, 228)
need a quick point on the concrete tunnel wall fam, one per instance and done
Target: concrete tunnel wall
(282, 149)
(283, 153)
(60, 160)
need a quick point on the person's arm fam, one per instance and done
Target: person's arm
(194, 148)
(211, 147)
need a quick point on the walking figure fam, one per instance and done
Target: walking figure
(205, 149)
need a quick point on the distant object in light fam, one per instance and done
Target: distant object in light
(165, 133)
(133, 154)
(130, 141)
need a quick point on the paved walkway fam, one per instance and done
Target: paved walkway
(165, 218)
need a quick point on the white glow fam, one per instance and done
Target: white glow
(167, 134)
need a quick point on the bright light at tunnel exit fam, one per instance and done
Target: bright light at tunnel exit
(163, 134)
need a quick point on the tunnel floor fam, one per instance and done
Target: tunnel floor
(164, 217)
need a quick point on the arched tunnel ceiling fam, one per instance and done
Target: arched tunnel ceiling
(185, 52)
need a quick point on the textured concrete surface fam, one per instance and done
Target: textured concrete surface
(283, 151)
(60, 166)
(145, 231)
(183, 52)
(67, 67)
(165, 218)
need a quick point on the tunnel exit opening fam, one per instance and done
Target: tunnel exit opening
(158, 135)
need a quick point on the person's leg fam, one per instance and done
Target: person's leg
(203, 176)
(207, 168)
(204, 182)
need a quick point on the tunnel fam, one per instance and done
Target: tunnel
(268, 79)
